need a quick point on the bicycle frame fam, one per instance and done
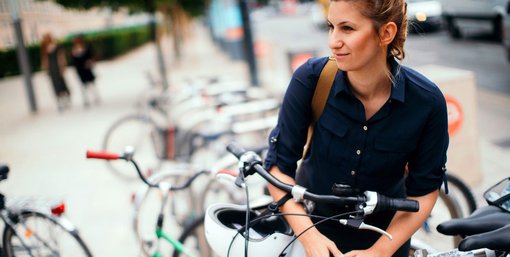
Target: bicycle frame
(175, 243)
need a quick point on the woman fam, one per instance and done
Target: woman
(83, 61)
(54, 62)
(379, 118)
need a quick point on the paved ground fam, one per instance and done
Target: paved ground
(46, 150)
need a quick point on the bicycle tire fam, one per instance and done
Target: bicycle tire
(32, 225)
(137, 130)
(193, 238)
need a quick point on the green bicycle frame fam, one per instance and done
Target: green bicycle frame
(175, 243)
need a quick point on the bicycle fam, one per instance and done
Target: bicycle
(155, 249)
(37, 228)
(233, 230)
(447, 207)
(193, 124)
(204, 192)
(485, 232)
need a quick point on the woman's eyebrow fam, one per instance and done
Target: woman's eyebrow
(339, 23)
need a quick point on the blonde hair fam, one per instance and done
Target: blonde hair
(382, 12)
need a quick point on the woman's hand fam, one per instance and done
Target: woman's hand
(318, 245)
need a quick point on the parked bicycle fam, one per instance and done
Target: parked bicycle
(155, 248)
(38, 228)
(486, 232)
(177, 128)
(203, 192)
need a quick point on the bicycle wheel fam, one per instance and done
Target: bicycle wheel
(141, 132)
(461, 192)
(193, 239)
(36, 234)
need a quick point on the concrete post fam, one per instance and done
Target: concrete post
(22, 54)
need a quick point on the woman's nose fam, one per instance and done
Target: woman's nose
(335, 40)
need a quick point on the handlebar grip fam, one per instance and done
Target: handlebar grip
(235, 149)
(102, 155)
(395, 204)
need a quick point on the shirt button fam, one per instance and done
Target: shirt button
(353, 173)
(273, 139)
(358, 152)
(365, 128)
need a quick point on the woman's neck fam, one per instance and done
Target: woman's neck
(371, 82)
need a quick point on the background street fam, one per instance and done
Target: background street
(46, 150)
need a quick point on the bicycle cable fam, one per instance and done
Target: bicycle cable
(313, 225)
(322, 219)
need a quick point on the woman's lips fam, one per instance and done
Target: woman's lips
(340, 56)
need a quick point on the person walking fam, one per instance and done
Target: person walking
(53, 60)
(83, 61)
(379, 118)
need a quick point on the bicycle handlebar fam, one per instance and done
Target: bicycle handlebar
(381, 202)
(128, 156)
(102, 155)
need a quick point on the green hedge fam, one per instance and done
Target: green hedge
(107, 44)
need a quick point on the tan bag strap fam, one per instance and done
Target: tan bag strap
(320, 96)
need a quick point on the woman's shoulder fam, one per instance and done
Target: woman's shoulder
(312, 66)
(419, 82)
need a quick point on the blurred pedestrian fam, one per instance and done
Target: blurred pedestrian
(83, 60)
(54, 62)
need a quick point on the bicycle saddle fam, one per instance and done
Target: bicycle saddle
(498, 239)
(484, 219)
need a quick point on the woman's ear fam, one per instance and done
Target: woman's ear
(387, 33)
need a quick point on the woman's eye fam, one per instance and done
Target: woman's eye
(330, 26)
(347, 28)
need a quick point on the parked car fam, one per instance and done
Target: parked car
(424, 15)
(490, 11)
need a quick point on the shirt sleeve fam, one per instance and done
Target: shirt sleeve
(287, 139)
(427, 163)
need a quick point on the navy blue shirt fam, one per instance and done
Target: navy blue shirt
(411, 127)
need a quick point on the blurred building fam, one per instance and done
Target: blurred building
(39, 17)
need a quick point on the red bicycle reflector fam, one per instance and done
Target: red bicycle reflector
(58, 209)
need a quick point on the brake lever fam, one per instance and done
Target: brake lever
(359, 224)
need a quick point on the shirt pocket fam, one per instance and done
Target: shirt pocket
(391, 155)
(332, 141)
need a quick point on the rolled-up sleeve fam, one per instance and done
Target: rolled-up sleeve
(427, 163)
(288, 138)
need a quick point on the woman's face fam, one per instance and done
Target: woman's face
(353, 40)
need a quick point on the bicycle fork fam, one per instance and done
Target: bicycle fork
(165, 189)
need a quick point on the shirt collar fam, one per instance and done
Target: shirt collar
(397, 90)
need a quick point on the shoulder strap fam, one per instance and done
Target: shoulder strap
(320, 96)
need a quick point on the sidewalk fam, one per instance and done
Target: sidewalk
(46, 151)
